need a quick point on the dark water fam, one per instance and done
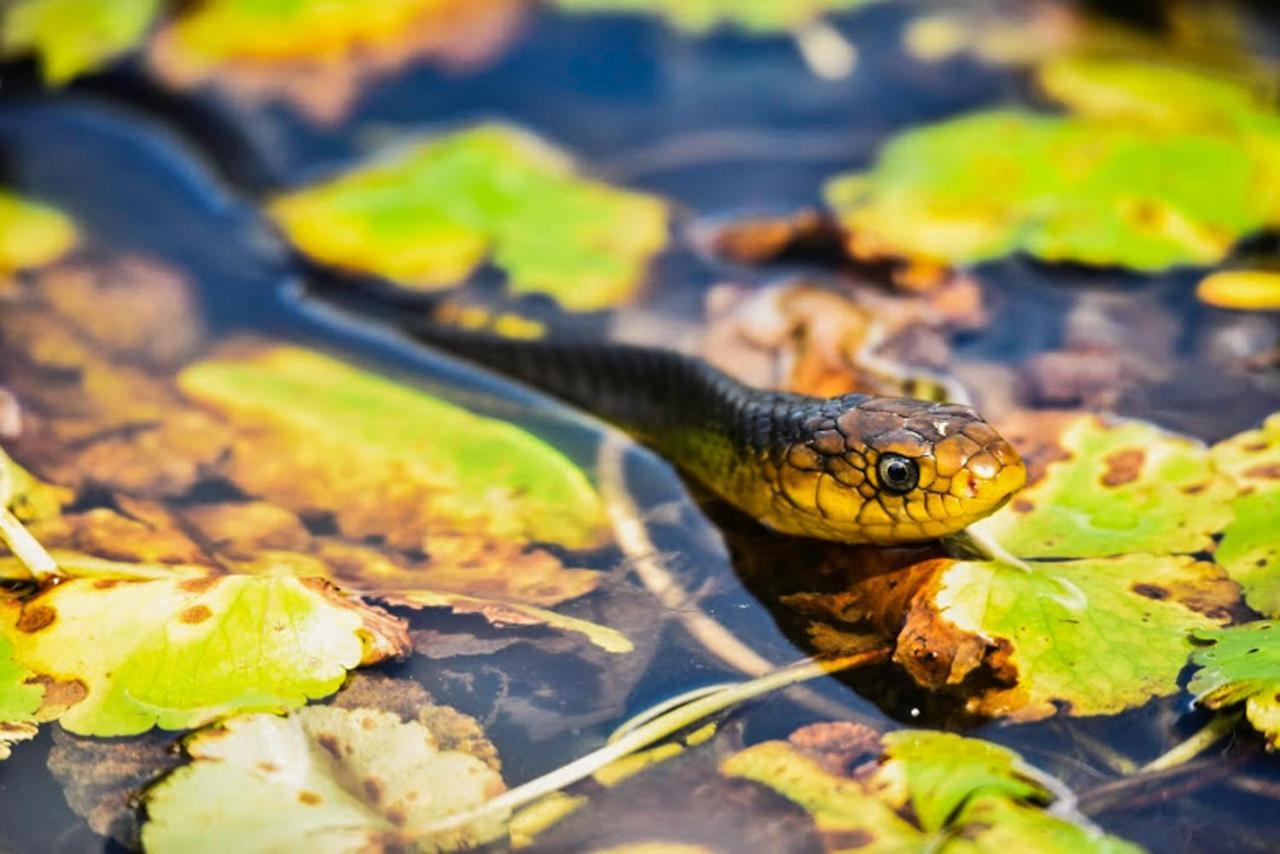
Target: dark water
(724, 126)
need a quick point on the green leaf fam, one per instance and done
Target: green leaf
(942, 771)
(428, 217)
(840, 807)
(1242, 666)
(1161, 167)
(701, 16)
(1097, 636)
(179, 653)
(333, 780)
(19, 699)
(320, 436)
(31, 234)
(930, 791)
(75, 36)
(1123, 487)
(1250, 546)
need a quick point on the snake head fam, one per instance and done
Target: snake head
(893, 470)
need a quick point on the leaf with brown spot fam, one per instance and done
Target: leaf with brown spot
(1250, 546)
(142, 660)
(342, 780)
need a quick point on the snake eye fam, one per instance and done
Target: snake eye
(898, 474)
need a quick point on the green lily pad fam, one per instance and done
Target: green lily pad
(1242, 665)
(428, 217)
(701, 16)
(321, 436)
(31, 234)
(1124, 487)
(1250, 547)
(928, 791)
(179, 653)
(334, 780)
(1160, 167)
(75, 36)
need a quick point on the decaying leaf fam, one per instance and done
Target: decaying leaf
(1089, 637)
(1250, 546)
(179, 653)
(74, 36)
(31, 234)
(701, 16)
(319, 436)
(921, 790)
(325, 778)
(1241, 664)
(428, 217)
(101, 778)
(319, 56)
(1158, 167)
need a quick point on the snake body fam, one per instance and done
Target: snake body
(854, 468)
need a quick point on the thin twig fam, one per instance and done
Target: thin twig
(1200, 741)
(15, 535)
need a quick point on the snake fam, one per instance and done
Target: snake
(855, 468)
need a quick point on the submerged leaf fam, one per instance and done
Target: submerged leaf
(1160, 167)
(427, 218)
(319, 436)
(1119, 488)
(31, 234)
(1250, 546)
(701, 16)
(1242, 665)
(332, 779)
(177, 654)
(74, 36)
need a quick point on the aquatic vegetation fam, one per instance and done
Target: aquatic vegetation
(427, 217)
(74, 36)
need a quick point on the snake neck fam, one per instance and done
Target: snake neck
(722, 432)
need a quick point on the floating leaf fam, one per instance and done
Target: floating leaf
(319, 436)
(179, 653)
(701, 16)
(1250, 546)
(320, 55)
(1257, 290)
(1161, 168)
(74, 36)
(19, 700)
(1242, 665)
(1121, 487)
(336, 780)
(926, 791)
(31, 234)
(427, 218)
(1091, 636)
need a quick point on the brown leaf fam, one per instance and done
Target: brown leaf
(101, 777)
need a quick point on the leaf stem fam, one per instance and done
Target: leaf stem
(647, 733)
(1200, 741)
